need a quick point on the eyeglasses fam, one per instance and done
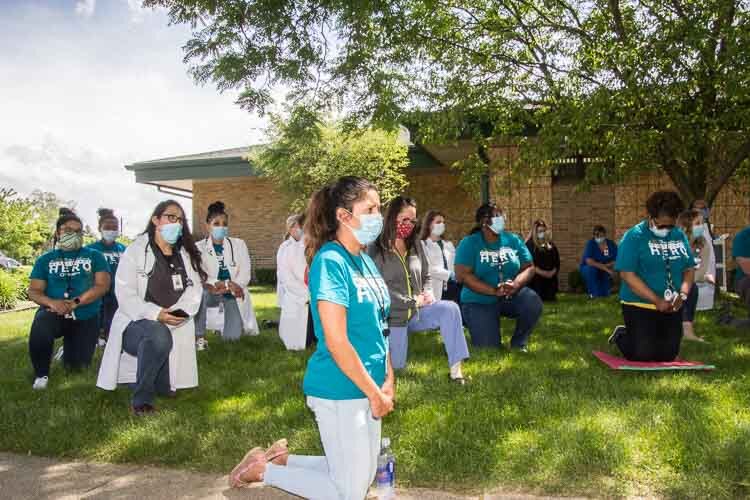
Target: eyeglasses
(173, 218)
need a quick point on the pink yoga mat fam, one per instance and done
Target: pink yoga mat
(623, 364)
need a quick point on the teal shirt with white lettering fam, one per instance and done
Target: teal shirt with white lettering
(112, 253)
(71, 272)
(352, 281)
(488, 261)
(741, 248)
(645, 254)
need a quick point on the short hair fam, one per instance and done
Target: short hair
(666, 203)
(599, 229)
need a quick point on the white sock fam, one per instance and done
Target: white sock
(456, 371)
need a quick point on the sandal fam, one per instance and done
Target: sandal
(277, 451)
(251, 457)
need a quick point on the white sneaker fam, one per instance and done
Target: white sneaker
(59, 354)
(40, 383)
(102, 342)
(201, 344)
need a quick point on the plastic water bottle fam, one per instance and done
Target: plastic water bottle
(385, 479)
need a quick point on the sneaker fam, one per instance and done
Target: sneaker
(40, 383)
(59, 354)
(102, 342)
(616, 334)
(201, 344)
(143, 410)
(522, 349)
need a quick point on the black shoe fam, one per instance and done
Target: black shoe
(618, 332)
(143, 410)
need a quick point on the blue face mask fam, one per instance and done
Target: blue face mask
(219, 232)
(659, 233)
(171, 232)
(698, 231)
(110, 235)
(599, 241)
(498, 224)
(370, 227)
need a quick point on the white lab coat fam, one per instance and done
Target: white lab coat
(279, 277)
(291, 272)
(706, 290)
(440, 275)
(237, 260)
(131, 282)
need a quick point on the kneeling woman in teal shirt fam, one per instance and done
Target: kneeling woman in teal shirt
(349, 381)
(657, 269)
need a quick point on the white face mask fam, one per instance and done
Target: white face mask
(541, 235)
(438, 229)
(659, 233)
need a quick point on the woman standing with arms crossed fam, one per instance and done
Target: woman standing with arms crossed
(349, 382)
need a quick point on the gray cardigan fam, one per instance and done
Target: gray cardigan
(392, 270)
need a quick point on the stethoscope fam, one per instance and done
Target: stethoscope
(150, 273)
(210, 248)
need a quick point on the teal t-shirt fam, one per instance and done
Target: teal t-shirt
(112, 253)
(223, 269)
(509, 253)
(354, 282)
(72, 272)
(646, 255)
(741, 248)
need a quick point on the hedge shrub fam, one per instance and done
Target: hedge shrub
(265, 277)
(8, 290)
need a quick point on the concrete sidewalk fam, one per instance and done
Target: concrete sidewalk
(26, 477)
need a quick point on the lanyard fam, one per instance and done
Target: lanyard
(409, 291)
(442, 252)
(68, 277)
(375, 289)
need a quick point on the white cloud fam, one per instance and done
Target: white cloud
(81, 99)
(85, 8)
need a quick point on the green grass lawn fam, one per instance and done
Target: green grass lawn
(554, 421)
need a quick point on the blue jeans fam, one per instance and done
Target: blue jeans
(443, 314)
(233, 325)
(598, 283)
(483, 320)
(150, 342)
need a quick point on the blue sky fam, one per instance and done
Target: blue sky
(90, 85)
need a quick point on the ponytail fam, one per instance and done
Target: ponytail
(321, 223)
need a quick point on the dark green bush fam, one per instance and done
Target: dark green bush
(21, 275)
(265, 277)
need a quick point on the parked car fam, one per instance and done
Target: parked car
(8, 263)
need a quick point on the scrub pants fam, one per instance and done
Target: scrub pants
(483, 320)
(598, 283)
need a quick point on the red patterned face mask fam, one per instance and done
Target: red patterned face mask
(404, 230)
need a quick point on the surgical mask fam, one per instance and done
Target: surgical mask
(297, 234)
(110, 235)
(219, 232)
(171, 232)
(599, 241)
(659, 233)
(438, 229)
(498, 224)
(541, 235)
(370, 227)
(404, 229)
(70, 242)
(698, 231)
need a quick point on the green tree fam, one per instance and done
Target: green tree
(640, 85)
(306, 152)
(22, 230)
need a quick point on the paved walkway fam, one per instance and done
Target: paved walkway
(25, 477)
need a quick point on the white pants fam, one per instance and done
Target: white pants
(293, 325)
(351, 441)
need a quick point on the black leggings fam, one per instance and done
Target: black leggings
(650, 335)
(690, 305)
(79, 341)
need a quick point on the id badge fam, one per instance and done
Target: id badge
(177, 283)
(669, 295)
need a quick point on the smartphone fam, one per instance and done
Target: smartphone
(179, 313)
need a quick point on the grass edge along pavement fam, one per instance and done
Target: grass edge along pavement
(556, 421)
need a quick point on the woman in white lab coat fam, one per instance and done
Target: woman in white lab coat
(290, 271)
(158, 288)
(441, 255)
(227, 264)
(293, 233)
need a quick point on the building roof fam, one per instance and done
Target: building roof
(179, 172)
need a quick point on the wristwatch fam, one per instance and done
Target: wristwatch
(77, 301)
(683, 296)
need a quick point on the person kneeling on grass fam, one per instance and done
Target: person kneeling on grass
(657, 269)
(67, 283)
(692, 224)
(495, 268)
(402, 262)
(152, 340)
(349, 380)
(227, 264)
